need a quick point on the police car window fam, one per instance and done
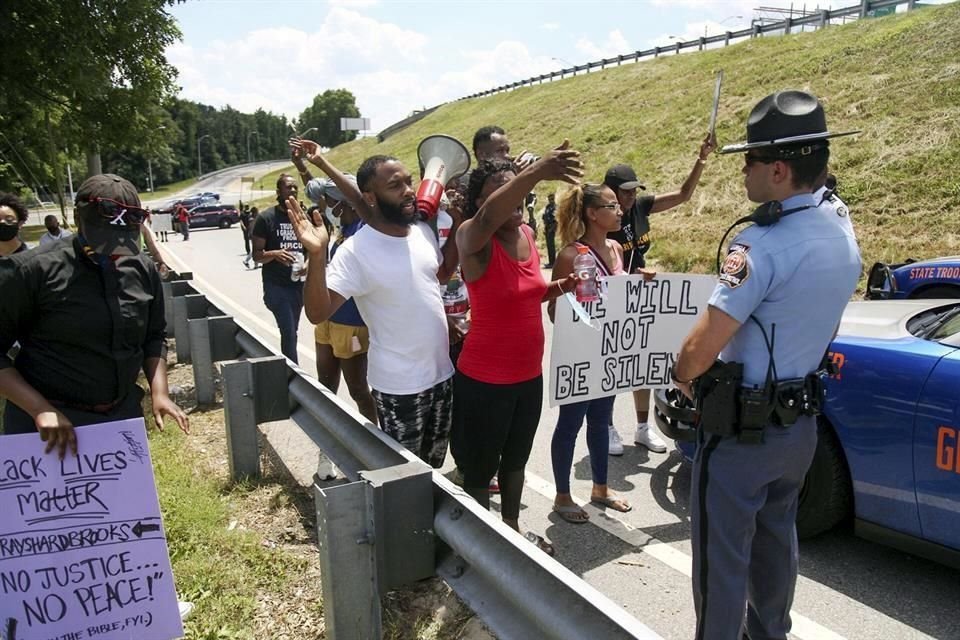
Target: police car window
(925, 324)
(949, 328)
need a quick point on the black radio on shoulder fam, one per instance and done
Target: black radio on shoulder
(767, 214)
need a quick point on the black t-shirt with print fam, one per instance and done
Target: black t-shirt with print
(275, 227)
(634, 233)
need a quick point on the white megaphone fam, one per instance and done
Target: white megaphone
(442, 158)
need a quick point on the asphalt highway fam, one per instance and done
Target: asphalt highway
(848, 587)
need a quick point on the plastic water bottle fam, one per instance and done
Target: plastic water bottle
(455, 302)
(298, 265)
(585, 268)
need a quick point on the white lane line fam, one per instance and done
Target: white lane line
(227, 304)
(803, 628)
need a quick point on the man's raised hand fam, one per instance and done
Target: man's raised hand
(314, 239)
(307, 148)
(562, 163)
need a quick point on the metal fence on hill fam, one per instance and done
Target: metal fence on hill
(788, 25)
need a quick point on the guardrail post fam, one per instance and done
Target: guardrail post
(656, 51)
(400, 499)
(678, 48)
(701, 44)
(756, 30)
(726, 39)
(824, 18)
(202, 360)
(787, 26)
(187, 307)
(172, 290)
(254, 391)
(348, 567)
(864, 8)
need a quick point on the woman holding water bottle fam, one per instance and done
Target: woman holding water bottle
(498, 388)
(585, 215)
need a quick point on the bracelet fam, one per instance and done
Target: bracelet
(676, 380)
(702, 161)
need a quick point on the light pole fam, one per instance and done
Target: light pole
(304, 134)
(199, 164)
(149, 165)
(724, 21)
(250, 133)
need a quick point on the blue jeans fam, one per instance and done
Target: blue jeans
(599, 413)
(285, 303)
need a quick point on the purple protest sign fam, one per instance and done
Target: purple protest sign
(82, 548)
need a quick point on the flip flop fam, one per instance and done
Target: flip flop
(571, 513)
(541, 543)
(612, 502)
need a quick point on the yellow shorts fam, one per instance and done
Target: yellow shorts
(345, 340)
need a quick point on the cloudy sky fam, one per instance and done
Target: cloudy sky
(400, 55)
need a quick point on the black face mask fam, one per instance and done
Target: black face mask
(8, 232)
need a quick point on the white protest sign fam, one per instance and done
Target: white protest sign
(642, 325)
(161, 222)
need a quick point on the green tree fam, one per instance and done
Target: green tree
(325, 113)
(89, 71)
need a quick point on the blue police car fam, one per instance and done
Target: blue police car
(936, 278)
(888, 452)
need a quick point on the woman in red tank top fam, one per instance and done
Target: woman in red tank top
(498, 387)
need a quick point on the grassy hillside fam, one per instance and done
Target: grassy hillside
(895, 78)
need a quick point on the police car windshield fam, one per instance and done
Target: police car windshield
(946, 329)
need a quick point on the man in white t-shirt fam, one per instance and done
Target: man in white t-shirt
(390, 268)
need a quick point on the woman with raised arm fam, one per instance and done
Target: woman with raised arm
(498, 387)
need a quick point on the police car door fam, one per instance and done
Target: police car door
(937, 452)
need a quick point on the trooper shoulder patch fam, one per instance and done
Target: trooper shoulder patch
(842, 211)
(735, 269)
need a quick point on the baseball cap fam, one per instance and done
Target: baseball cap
(622, 176)
(105, 238)
(319, 187)
(333, 191)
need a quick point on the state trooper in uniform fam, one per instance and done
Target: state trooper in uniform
(783, 287)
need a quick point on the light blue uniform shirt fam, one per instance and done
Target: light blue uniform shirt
(797, 274)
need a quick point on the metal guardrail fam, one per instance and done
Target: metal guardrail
(397, 520)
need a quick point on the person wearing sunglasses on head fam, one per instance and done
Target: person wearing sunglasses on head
(88, 314)
(13, 215)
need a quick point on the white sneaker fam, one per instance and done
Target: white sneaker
(616, 444)
(647, 437)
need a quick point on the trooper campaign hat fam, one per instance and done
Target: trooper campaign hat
(786, 124)
(622, 176)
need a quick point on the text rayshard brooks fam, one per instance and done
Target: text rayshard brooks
(82, 553)
(641, 325)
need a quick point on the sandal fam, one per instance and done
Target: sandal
(571, 513)
(541, 543)
(612, 502)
